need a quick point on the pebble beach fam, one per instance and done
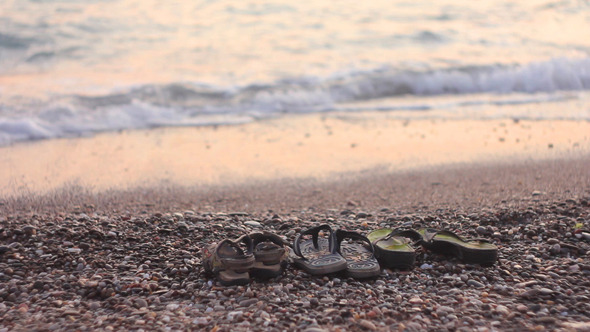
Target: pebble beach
(130, 260)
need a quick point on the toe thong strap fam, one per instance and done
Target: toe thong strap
(314, 232)
(342, 234)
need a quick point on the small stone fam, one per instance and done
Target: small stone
(253, 223)
(545, 291)
(555, 249)
(314, 329)
(4, 249)
(502, 310)
(38, 284)
(531, 293)
(545, 320)
(201, 321)
(475, 283)
(578, 326)
(172, 306)
(141, 303)
(481, 230)
(522, 308)
(234, 315)
(367, 325)
(574, 268)
(30, 230)
(444, 310)
(416, 300)
(23, 307)
(248, 302)
(371, 314)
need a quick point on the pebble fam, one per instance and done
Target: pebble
(545, 291)
(366, 324)
(141, 303)
(503, 310)
(444, 310)
(252, 223)
(248, 302)
(172, 307)
(234, 315)
(201, 321)
(475, 283)
(416, 300)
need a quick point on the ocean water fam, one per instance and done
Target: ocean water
(74, 68)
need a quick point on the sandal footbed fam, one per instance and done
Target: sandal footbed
(358, 266)
(323, 262)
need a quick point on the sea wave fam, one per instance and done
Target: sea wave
(198, 104)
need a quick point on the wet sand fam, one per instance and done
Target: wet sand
(322, 148)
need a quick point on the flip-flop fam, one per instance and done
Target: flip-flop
(360, 257)
(229, 262)
(317, 256)
(395, 248)
(271, 254)
(473, 251)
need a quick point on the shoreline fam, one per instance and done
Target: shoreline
(313, 146)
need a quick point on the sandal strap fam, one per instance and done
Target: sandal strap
(264, 236)
(404, 233)
(237, 263)
(430, 234)
(247, 240)
(342, 234)
(314, 232)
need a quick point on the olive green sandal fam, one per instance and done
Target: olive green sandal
(472, 251)
(395, 248)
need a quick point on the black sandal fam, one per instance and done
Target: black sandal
(360, 257)
(318, 256)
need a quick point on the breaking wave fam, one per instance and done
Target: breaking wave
(196, 104)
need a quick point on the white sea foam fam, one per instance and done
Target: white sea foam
(380, 89)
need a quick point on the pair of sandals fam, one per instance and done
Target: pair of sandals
(339, 251)
(396, 248)
(261, 255)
